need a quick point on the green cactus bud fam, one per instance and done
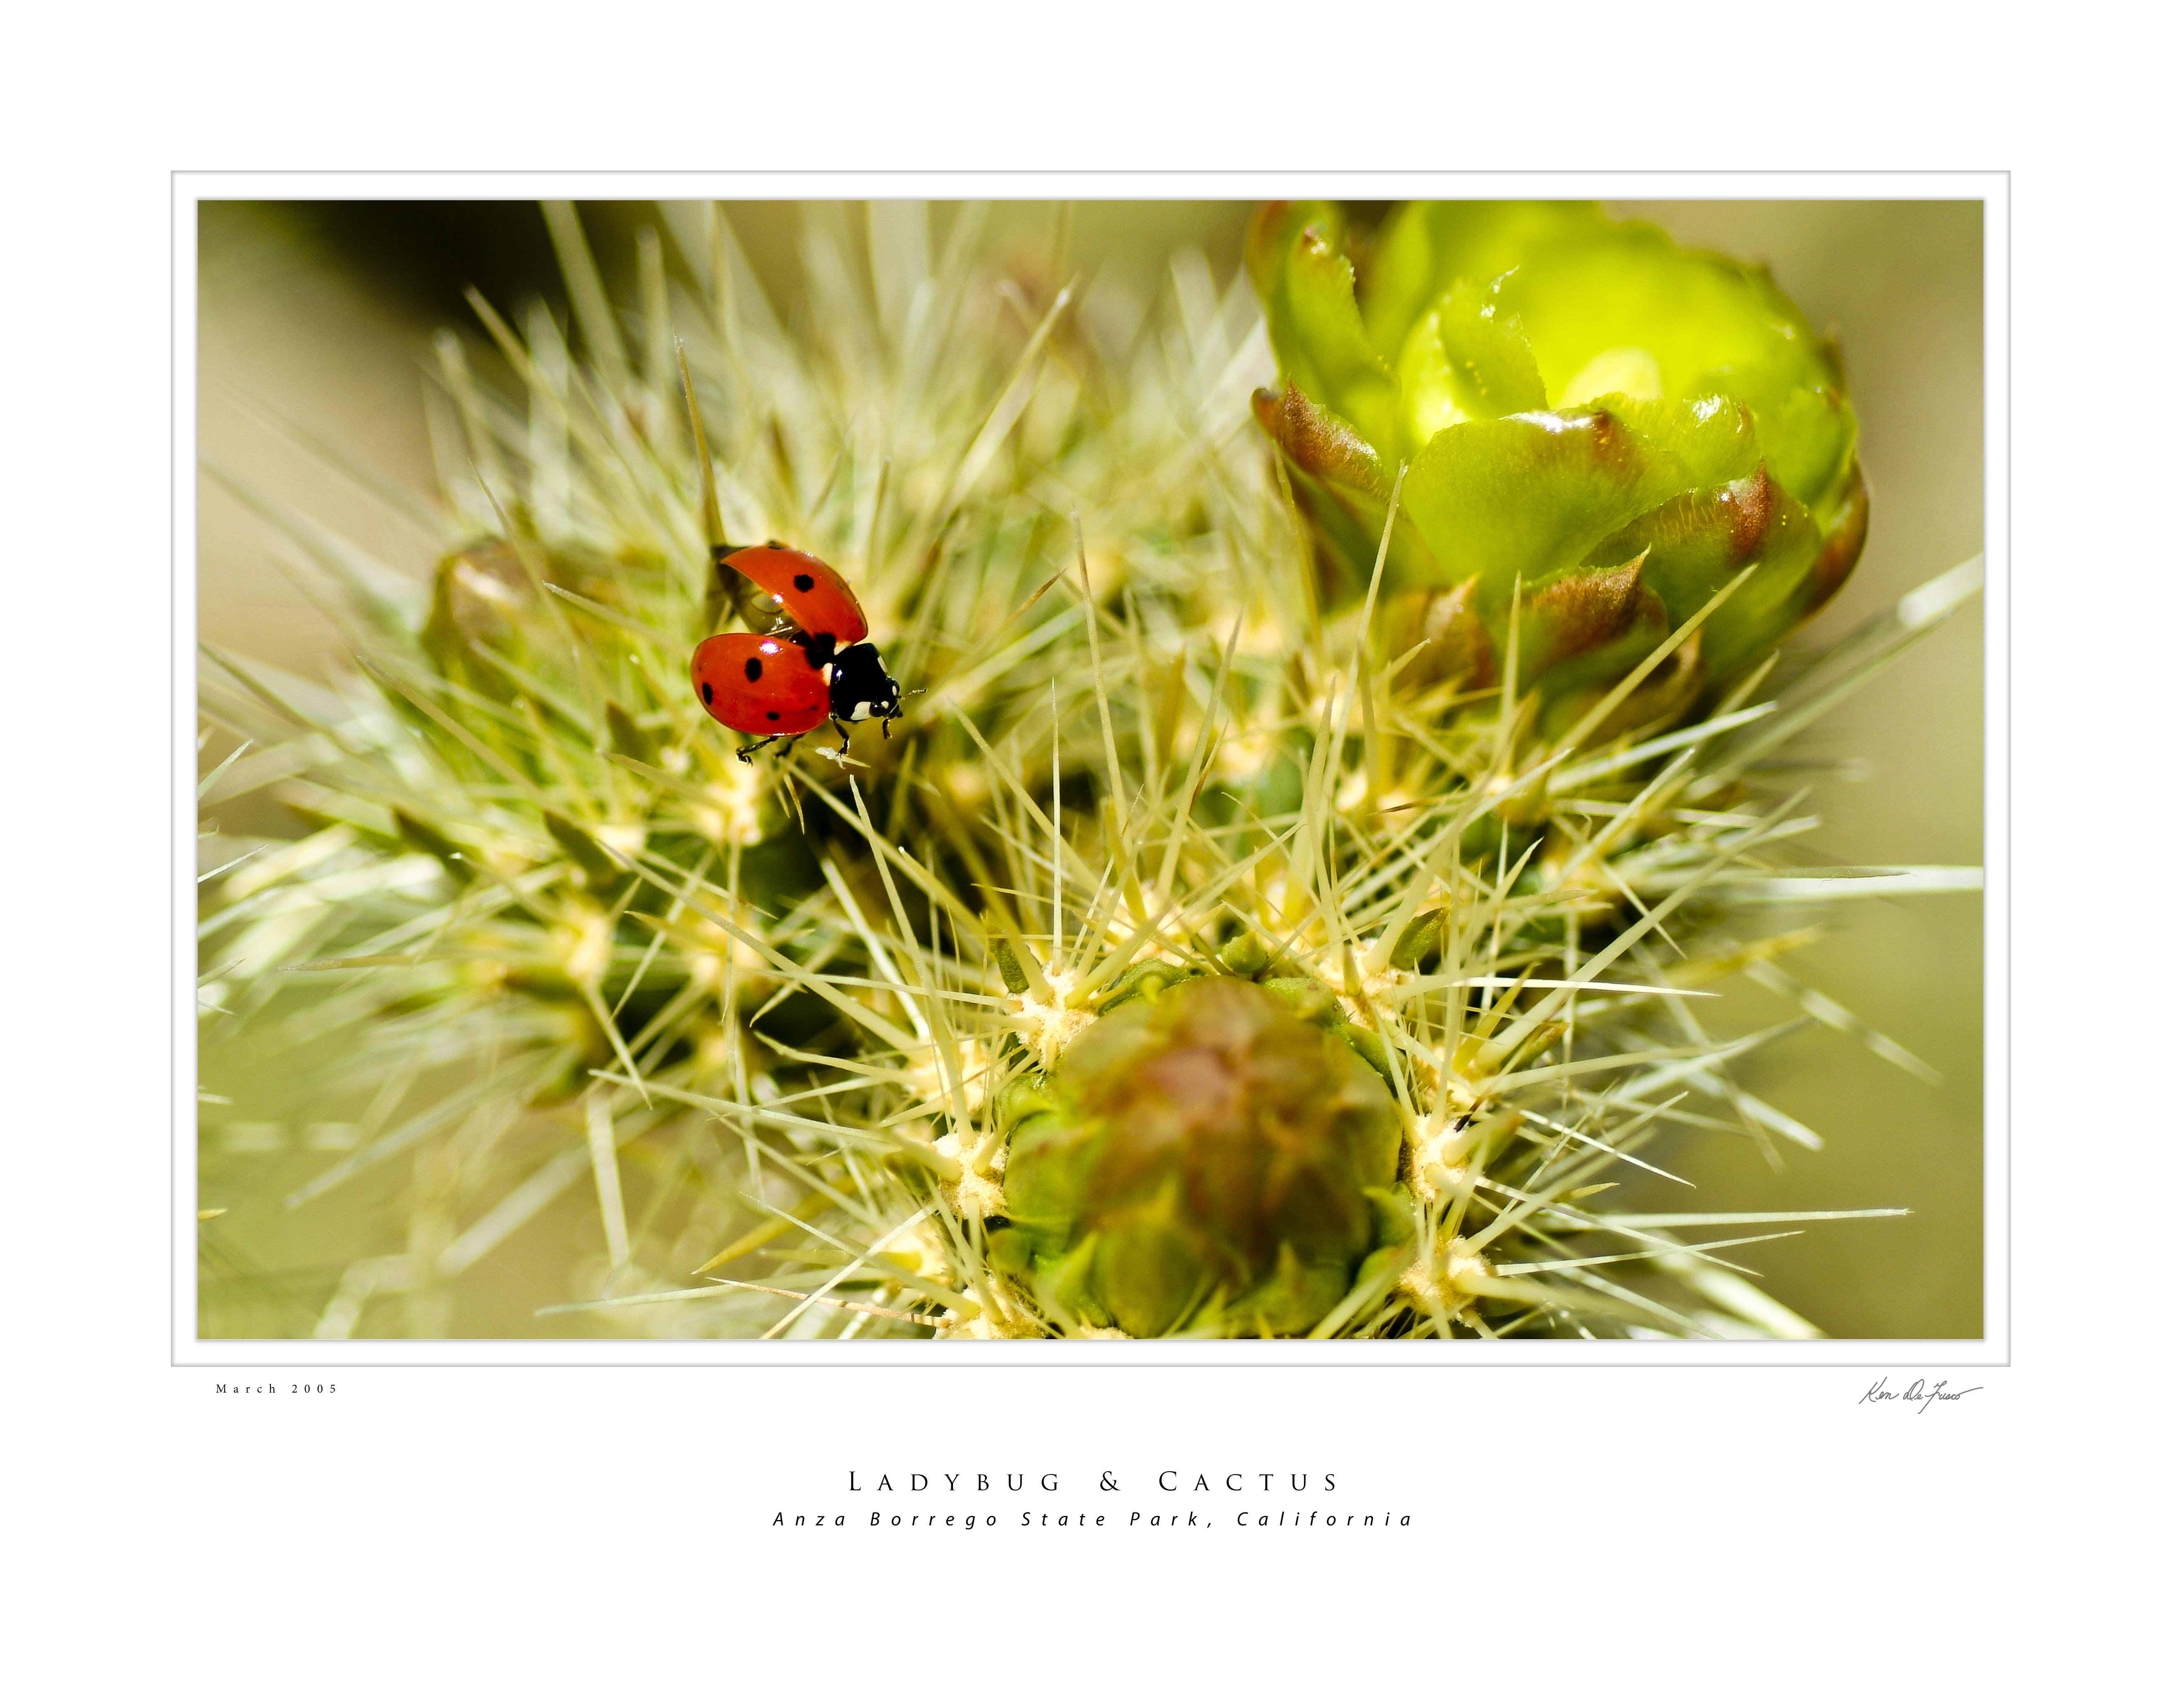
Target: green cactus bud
(480, 595)
(1368, 1045)
(1013, 972)
(1308, 1000)
(628, 738)
(1145, 980)
(1021, 1098)
(598, 870)
(1422, 935)
(1395, 1217)
(430, 840)
(1209, 1164)
(1611, 425)
(1244, 954)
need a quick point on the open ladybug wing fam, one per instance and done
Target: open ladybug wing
(809, 592)
(755, 682)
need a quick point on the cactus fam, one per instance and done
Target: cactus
(1190, 961)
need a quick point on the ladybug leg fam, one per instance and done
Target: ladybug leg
(787, 743)
(843, 730)
(743, 753)
(883, 725)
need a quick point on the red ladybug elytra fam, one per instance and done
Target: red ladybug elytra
(814, 665)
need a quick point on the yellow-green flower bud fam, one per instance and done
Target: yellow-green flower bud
(1614, 424)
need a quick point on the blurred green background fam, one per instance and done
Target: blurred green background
(323, 312)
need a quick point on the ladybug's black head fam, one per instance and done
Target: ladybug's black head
(861, 688)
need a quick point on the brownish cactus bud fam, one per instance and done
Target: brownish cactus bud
(1207, 1166)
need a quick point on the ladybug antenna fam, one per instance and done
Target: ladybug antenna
(717, 539)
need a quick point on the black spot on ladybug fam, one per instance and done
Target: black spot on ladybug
(773, 715)
(705, 691)
(803, 582)
(753, 668)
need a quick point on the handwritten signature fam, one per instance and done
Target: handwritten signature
(1919, 1390)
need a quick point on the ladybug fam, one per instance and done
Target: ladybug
(812, 665)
